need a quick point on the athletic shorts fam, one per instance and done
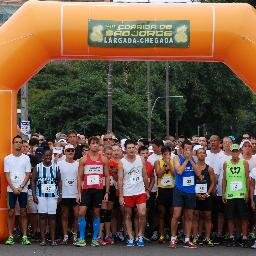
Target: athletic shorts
(92, 197)
(68, 202)
(47, 205)
(12, 199)
(236, 208)
(204, 205)
(32, 207)
(254, 199)
(164, 197)
(219, 204)
(132, 201)
(184, 200)
(112, 197)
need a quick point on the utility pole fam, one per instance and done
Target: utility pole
(149, 101)
(110, 91)
(167, 99)
(24, 102)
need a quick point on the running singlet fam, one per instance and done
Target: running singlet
(133, 183)
(167, 180)
(236, 180)
(186, 181)
(46, 185)
(203, 185)
(113, 169)
(93, 173)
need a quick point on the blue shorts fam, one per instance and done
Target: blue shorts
(12, 199)
(184, 200)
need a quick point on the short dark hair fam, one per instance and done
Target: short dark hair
(16, 137)
(24, 141)
(142, 148)
(71, 132)
(186, 142)
(144, 141)
(166, 149)
(157, 142)
(201, 149)
(33, 142)
(45, 149)
(129, 141)
(95, 138)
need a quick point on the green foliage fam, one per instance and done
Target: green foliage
(73, 95)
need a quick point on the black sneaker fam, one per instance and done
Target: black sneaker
(231, 242)
(217, 240)
(245, 243)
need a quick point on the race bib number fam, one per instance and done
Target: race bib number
(166, 181)
(48, 188)
(70, 182)
(188, 181)
(93, 180)
(135, 179)
(17, 179)
(201, 188)
(236, 185)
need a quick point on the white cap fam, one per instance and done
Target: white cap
(62, 141)
(150, 149)
(244, 141)
(122, 143)
(196, 147)
(69, 146)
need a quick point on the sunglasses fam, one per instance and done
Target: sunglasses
(105, 139)
(70, 150)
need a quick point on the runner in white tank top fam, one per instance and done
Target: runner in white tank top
(132, 184)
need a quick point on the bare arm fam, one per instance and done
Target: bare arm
(120, 178)
(246, 166)
(145, 175)
(178, 167)
(25, 181)
(9, 182)
(33, 184)
(158, 169)
(252, 188)
(80, 176)
(212, 181)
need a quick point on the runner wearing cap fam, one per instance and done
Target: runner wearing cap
(69, 170)
(235, 189)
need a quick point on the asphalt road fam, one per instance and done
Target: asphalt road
(121, 250)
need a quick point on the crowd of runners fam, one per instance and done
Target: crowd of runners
(99, 190)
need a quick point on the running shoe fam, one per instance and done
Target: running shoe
(101, 241)
(140, 241)
(161, 239)
(9, 241)
(109, 240)
(231, 242)
(25, 240)
(120, 236)
(80, 243)
(189, 245)
(254, 245)
(172, 244)
(208, 242)
(130, 242)
(154, 236)
(54, 243)
(95, 243)
(64, 241)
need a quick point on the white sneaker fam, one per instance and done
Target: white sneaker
(254, 246)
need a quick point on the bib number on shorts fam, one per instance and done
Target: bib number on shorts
(201, 188)
(48, 188)
(93, 180)
(135, 179)
(188, 181)
(166, 181)
(236, 185)
(70, 182)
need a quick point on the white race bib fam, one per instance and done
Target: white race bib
(188, 181)
(93, 180)
(135, 179)
(201, 188)
(166, 181)
(70, 182)
(48, 188)
(236, 185)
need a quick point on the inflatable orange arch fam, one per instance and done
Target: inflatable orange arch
(42, 31)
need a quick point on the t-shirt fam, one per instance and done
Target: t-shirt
(212, 159)
(252, 175)
(218, 170)
(17, 167)
(251, 162)
(68, 173)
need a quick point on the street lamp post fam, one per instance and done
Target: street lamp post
(163, 97)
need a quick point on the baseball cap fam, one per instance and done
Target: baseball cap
(234, 147)
(69, 146)
(244, 141)
(62, 141)
(196, 147)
